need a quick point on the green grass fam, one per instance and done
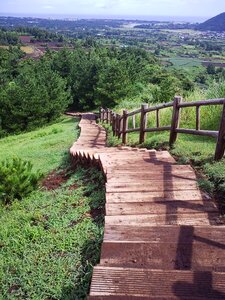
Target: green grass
(50, 240)
(43, 147)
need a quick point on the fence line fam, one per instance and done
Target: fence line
(120, 128)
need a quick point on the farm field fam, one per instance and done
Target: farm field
(185, 63)
(27, 49)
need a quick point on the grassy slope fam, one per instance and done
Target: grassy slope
(43, 147)
(49, 241)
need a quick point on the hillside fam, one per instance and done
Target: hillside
(216, 23)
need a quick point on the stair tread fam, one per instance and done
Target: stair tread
(167, 283)
(194, 253)
(212, 234)
(133, 208)
(210, 218)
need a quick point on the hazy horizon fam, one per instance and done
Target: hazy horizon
(116, 17)
(181, 10)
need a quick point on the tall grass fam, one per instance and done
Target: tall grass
(210, 115)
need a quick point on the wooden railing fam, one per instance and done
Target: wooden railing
(120, 122)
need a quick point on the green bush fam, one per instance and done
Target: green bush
(206, 185)
(16, 179)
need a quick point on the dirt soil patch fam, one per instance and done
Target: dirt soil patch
(55, 179)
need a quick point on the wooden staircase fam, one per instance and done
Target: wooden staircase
(163, 239)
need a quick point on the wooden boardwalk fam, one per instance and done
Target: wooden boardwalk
(163, 239)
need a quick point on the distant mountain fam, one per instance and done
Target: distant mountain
(216, 23)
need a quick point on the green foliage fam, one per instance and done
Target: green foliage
(16, 179)
(8, 38)
(36, 96)
(9, 64)
(206, 185)
(51, 240)
(102, 76)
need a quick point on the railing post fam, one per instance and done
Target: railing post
(125, 127)
(143, 123)
(134, 121)
(100, 111)
(107, 115)
(111, 117)
(117, 125)
(101, 114)
(114, 123)
(157, 118)
(120, 127)
(220, 145)
(198, 126)
(175, 120)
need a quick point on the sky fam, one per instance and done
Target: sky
(194, 8)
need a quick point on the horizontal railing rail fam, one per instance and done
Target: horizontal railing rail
(120, 127)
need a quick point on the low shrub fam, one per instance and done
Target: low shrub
(16, 179)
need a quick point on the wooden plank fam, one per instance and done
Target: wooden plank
(212, 235)
(146, 177)
(186, 285)
(160, 106)
(209, 133)
(160, 196)
(133, 208)
(165, 128)
(167, 255)
(196, 219)
(156, 186)
(203, 102)
(152, 169)
(134, 112)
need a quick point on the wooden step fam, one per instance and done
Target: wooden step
(163, 207)
(158, 284)
(180, 254)
(151, 169)
(212, 235)
(188, 195)
(130, 161)
(116, 297)
(145, 177)
(196, 219)
(165, 185)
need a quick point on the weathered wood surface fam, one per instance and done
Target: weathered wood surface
(163, 238)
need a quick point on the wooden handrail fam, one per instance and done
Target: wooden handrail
(132, 113)
(158, 107)
(120, 128)
(203, 103)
